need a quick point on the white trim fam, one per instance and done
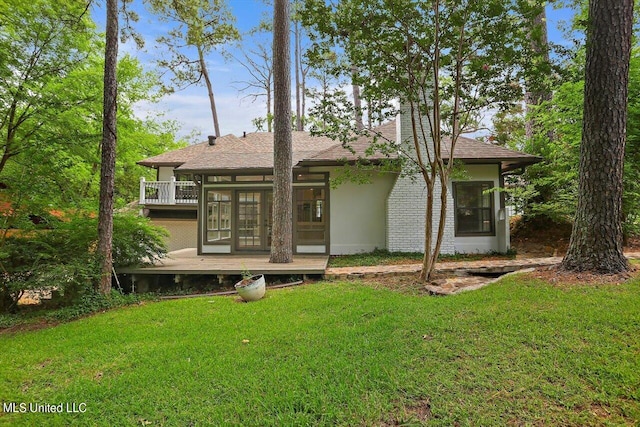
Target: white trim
(311, 249)
(216, 249)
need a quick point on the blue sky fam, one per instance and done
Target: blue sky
(190, 107)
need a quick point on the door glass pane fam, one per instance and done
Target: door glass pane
(218, 216)
(310, 216)
(269, 216)
(249, 220)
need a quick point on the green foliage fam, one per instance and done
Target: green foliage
(38, 263)
(137, 241)
(475, 49)
(91, 302)
(63, 259)
(439, 63)
(51, 111)
(552, 185)
(203, 24)
(385, 257)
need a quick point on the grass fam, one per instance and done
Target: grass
(384, 257)
(517, 352)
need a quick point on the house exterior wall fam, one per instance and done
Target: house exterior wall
(406, 204)
(358, 214)
(406, 208)
(500, 241)
(183, 233)
(165, 173)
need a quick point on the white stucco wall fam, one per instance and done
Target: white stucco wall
(165, 173)
(358, 214)
(499, 242)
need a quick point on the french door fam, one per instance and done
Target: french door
(254, 220)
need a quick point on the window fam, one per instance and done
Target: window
(218, 216)
(218, 178)
(310, 216)
(474, 213)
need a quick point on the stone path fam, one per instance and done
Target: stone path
(487, 267)
(462, 272)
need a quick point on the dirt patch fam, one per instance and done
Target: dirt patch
(441, 283)
(408, 283)
(31, 326)
(555, 276)
(417, 412)
(541, 237)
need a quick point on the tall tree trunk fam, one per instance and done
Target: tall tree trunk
(357, 102)
(212, 101)
(282, 241)
(109, 139)
(296, 34)
(303, 95)
(269, 115)
(540, 47)
(596, 238)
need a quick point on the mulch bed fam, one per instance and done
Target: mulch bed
(559, 277)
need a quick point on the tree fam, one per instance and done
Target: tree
(301, 68)
(443, 61)
(40, 45)
(259, 64)
(201, 25)
(108, 148)
(596, 238)
(538, 82)
(282, 240)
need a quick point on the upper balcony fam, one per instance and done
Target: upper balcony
(170, 192)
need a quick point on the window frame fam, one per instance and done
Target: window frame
(223, 213)
(491, 208)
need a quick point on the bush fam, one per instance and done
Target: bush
(137, 241)
(92, 302)
(35, 263)
(64, 259)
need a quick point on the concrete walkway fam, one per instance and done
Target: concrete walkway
(458, 267)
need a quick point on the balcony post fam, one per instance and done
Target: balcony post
(143, 188)
(172, 191)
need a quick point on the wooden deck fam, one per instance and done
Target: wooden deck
(187, 261)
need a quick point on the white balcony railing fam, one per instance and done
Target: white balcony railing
(167, 192)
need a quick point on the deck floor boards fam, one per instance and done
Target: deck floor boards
(187, 261)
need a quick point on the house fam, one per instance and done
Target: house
(217, 196)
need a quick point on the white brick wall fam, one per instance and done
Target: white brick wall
(406, 206)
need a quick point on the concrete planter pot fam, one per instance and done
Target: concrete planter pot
(251, 289)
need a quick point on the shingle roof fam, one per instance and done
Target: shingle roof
(359, 149)
(177, 157)
(255, 151)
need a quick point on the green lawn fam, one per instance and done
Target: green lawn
(517, 352)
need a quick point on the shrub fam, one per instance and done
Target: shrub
(137, 241)
(64, 259)
(92, 302)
